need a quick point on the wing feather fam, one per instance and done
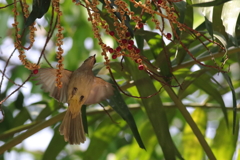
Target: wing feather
(47, 78)
(100, 90)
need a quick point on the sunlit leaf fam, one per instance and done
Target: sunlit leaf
(224, 143)
(191, 149)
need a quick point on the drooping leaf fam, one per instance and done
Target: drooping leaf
(118, 104)
(39, 8)
(229, 81)
(155, 112)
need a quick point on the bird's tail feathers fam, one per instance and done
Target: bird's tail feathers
(72, 128)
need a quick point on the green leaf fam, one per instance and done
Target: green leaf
(191, 149)
(118, 104)
(224, 136)
(84, 118)
(101, 139)
(209, 26)
(155, 42)
(149, 139)
(212, 91)
(209, 4)
(39, 8)
(218, 27)
(21, 117)
(7, 122)
(229, 81)
(56, 145)
(49, 108)
(19, 101)
(155, 111)
(186, 86)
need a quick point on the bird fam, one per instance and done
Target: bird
(80, 87)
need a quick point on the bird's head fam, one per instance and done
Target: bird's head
(90, 61)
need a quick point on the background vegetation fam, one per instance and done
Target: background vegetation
(160, 123)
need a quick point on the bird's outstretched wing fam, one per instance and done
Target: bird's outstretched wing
(47, 78)
(100, 90)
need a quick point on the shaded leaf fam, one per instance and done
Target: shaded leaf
(48, 109)
(229, 81)
(39, 8)
(211, 3)
(21, 117)
(209, 26)
(118, 104)
(84, 118)
(19, 101)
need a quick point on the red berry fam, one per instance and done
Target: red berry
(130, 47)
(159, 1)
(169, 36)
(124, 41)
(118, 49)
(111, 33)
(128, 34)
(140, 25)
(35, 71)
(140, 67)
(110, 50)
(137, 50)
(131, 42)
(114, 56)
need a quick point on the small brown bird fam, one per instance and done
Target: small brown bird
(78, 88)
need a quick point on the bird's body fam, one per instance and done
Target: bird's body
(80, 87)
